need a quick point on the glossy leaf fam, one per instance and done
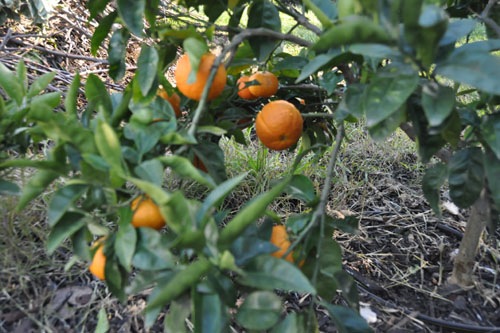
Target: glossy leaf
(97, 94)
(375, 51)
(316, 64)
(8, 188)
(152, 251)
(293, 323)
(389, 125)
(71, 99)
(492, 170)
(466, 176)
(302, 188)
(108, 144)
(387, 92)
(477, 69)
(437, 102)
(40, 84)
(324, 10)
(35, 186)
(146, 71)
(209, 313)
(269, 273)
(101, 32)
(132, 12)
(263, 14)
(66, 226)
(150, 170)
(62, 200)
(184, 168)
(125, 243)
(260, 311)
(490, 131)
(11, 85)
(178, 312)
(117, 49)
(434, 177)
(347, 320)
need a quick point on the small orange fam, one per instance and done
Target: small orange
(268, 84)
(279, 125)
(174, 100)
(279, 238)
(146, 213)
(243, 91)
(194, 89)
(98, 264)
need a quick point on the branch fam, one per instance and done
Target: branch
(488, 21)
(300, 18)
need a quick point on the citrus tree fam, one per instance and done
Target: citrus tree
(393, 64)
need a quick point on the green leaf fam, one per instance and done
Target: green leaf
(375, 51)
(316, 63)
(293, 323)
(184, 168)
(150, 170)
(433, 179)
(36, 185)
(125, 243)
(132, 12)
(97, 94)
(102, 322)
(96, 7)
(386, 127)
(146, 68)
(66, 226)
(152, 251)
(250, 213)
(478, 69)
(387, 92)
(11, 84)
(178, 312)
(40, 84)
(71, 99)
(351, 30)
(101, 32)
(260, 311)
(490, 131)
(348, 224)
(210, 315)
(180, 282)
(457, 29)
(437, 102)
(117, 50)
(217, 195)
(466, 176)
(269, 273)
(302, 188)
(347, 320)
(8, 188)
(62, 200)
(263, 14)
(195, 48)
(324, 10)
(108, 144)
(492, 170)
(50, 100)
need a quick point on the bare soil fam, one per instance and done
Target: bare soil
(400, 258)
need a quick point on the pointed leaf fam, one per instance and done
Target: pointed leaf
(437, 102)
(66, 226)
(347, 320)
(466, 175)
(269, 273)
(146, 68)
(263, 14)
(11, 84)
(62, 200)
(108, 144)
(432, 181)
(132, 12)
(490, 130)
(40, 84)
(260, 311)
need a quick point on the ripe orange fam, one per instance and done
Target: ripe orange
(146, 213)
(279, 125)
(268, 84)
(174, 100)
(243, 91)
(279, 238)
(194, 89)
(98, 262)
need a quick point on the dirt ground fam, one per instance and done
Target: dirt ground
(401, 257)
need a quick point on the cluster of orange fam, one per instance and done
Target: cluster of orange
(278, 125)
(146, 214)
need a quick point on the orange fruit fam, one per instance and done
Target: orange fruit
(198, 163)
(146, 213)
(268, 84)
(174, 100)
(194, 89)
(98, 262)
(279, 238)
(279, 125)
(243, 91)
